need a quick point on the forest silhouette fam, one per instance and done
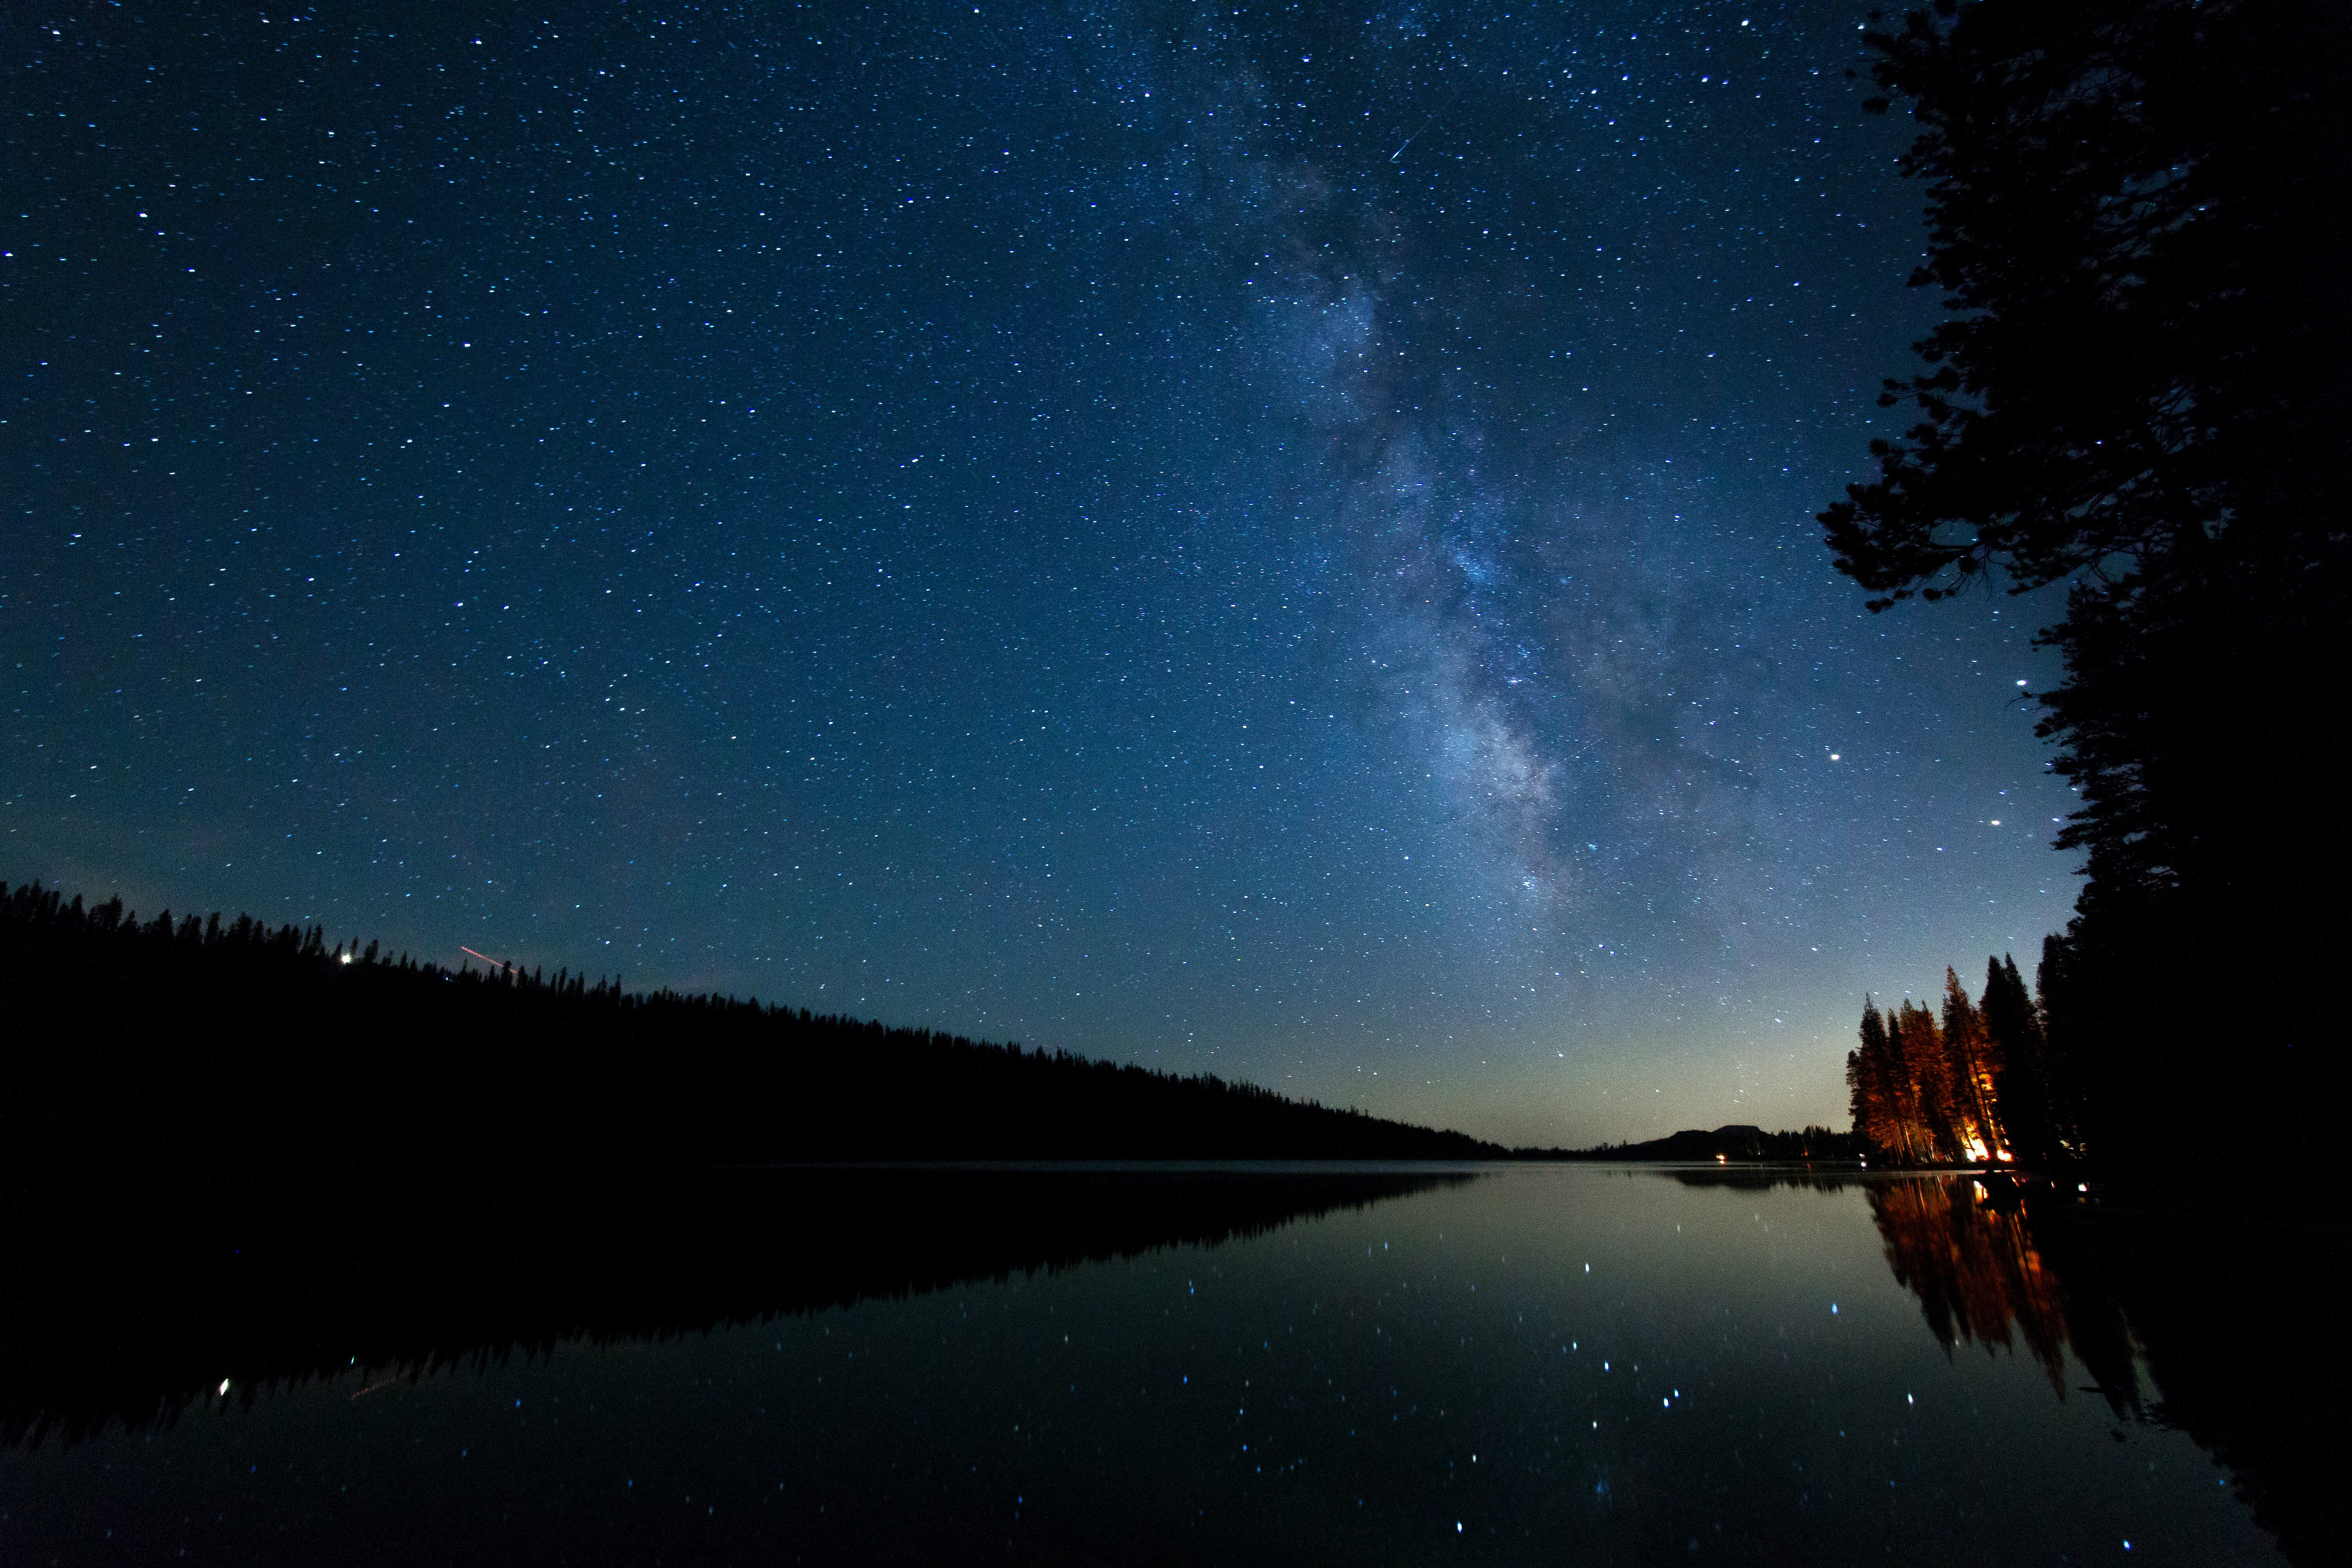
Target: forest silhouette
(2131, 207)
(233, 1058)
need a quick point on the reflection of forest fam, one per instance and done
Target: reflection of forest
(1976, 1270)
(110, 1319)
(2237, 1343)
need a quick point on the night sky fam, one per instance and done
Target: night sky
(1268, 539)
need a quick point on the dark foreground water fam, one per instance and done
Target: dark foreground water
(1556, 1364)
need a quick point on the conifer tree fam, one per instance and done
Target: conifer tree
(2021, 1077)
(1869, 1081)
(1968, 1050)
(1929, 1075)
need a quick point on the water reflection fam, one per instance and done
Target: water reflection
(107, 1322)
(2206, 1308)
(1537, 1365)
(1762, 1178)
(2210, 1309)
(1973, 1265)
(1965, 1247)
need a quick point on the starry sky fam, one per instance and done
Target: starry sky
(1273, 540)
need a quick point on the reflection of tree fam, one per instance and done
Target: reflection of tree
(2243, 1339)
(1964, 1247)
(2239, 1344)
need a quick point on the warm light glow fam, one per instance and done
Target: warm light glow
(1723, 1159)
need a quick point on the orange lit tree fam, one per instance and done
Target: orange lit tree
(1968, 1086)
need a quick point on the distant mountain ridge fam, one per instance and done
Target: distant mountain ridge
(1737, 1140)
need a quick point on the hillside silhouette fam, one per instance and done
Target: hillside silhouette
(1738, 1142)
(224, 1062)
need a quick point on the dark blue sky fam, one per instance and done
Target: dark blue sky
(1271, 539)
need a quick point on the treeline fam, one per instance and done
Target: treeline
(234, 1054)
(1970, 1084)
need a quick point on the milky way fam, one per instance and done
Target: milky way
(1271, 542)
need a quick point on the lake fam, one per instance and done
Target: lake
(1555, 1364)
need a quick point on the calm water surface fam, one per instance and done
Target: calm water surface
(1555, 1364)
